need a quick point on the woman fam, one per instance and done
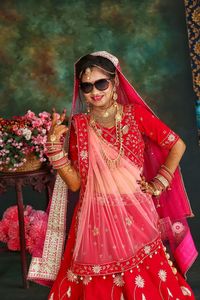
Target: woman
(121, 157)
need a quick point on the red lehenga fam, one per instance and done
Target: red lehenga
(114, 249)
(105, 259)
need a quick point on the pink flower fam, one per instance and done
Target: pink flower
(178, 227)
(35, 229)
(30, 114)
(37, 123)
(15, 127)
(44, 115)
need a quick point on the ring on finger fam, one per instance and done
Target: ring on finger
(58, 122)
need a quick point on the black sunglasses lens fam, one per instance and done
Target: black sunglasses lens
(101, 84)
(86, 87)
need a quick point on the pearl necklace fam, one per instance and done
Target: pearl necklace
(112, 163)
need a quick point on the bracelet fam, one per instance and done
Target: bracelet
(52, 146)
(66, 163)
(163, 180)
(165, 174)
(167, 170)
(56, 157)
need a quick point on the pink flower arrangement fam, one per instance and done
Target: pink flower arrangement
(21, 136)
(35, 228)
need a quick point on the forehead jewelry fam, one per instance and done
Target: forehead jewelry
(88, 72)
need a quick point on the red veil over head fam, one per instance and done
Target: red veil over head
(174, 204)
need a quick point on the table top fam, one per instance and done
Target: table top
(37, 179)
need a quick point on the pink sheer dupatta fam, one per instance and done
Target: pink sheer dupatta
(116, 219)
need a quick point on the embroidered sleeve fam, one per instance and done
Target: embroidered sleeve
(154, 128)
(73, 150)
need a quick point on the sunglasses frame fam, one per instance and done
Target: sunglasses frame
(94, 84)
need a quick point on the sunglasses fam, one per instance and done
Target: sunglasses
(101, 85)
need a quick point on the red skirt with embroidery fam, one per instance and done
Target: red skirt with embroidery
(153, 278)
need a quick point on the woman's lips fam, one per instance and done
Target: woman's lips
(97, 98)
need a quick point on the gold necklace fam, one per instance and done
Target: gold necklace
(119, 138)
(109, 112)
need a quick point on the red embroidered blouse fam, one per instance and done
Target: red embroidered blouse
(136, 123)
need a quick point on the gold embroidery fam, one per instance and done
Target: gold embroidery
(48, 265)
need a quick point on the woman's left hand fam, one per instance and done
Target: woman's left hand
(145, 186)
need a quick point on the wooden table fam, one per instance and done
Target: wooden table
(39, 180)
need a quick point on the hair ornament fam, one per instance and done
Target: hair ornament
(88, 72)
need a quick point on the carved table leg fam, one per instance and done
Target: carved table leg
(22, 232)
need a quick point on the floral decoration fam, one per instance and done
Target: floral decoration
(23, 135)
(162, 274)
(139, 281)
(35, 222)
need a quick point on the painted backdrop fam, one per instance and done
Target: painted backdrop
(40, 40)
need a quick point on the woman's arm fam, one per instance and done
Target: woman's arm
(175, 155)
(67, 172)
(71, 177)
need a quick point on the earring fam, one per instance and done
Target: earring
(115, 96)
(88, 107)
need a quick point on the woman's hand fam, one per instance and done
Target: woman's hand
(57, 129)
(145, 186)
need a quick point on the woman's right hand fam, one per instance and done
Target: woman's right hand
(57, 129)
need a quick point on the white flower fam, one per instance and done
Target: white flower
(84, 154)
(147, 249)
(171, 137)
(71, 276)
(27, 133)
(139, 281)
(44, 131)
(177, 227)
(96, 269)
(162, 275)
(118, 280)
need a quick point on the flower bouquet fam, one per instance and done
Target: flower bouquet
(35, 223)
(23, 137)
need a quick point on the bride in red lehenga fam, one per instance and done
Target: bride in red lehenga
(132, 198)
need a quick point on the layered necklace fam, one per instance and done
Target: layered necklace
(112, 115)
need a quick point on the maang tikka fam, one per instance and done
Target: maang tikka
(88, 72)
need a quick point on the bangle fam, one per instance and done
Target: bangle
(168, 170)
(165, 174)
(163, 180)
(56, 157)
(64, 163)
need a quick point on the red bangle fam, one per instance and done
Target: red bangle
(167, 170)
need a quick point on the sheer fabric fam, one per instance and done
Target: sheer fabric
(116, 219)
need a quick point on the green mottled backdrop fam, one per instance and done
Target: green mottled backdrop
(41, 39)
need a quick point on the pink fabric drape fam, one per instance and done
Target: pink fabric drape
(116, 219)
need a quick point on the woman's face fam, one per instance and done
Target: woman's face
(97, 98)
